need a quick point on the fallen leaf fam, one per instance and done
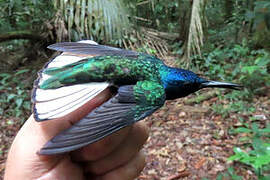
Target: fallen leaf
(182, 167)
(182, 114)
(200, 163)
(179, 175)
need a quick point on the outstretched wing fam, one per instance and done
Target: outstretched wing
(92, 49)
(55, 103)
(131, 104)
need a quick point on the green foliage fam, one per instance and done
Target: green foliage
(259, 14)
(233, 52)
(146, 49)
(259, 155)
(237, 106)
(24, 14)
(15, 95)
(237, 63)
(224, 24)
(254, 72)
(260, 19)
(229, 174)
(161, 15)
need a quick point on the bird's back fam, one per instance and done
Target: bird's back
(116, 69)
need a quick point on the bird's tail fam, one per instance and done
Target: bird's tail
(221, 85)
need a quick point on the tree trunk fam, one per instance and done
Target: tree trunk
(21, 35)
(228, 9)
(184, 20)
(251, 8)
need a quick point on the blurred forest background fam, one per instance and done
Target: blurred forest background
(213, 134)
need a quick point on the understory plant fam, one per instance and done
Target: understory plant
(256, 150)
(15, 94)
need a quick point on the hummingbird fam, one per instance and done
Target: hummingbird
(141, 82)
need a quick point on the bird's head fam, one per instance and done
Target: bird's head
(180, 83)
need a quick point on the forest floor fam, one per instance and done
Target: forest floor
(187, 139)
(191, 142)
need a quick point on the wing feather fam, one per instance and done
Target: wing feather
(98, 124)
(55, 103)
(110, 117)
(92, 49)
(58, 107)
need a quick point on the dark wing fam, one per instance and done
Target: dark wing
(92, 49)
(117, 113)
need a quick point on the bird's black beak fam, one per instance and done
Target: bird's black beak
(221, 85)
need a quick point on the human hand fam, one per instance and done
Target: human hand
(117, 156)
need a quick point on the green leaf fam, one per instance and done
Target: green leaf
(267, 177)
(250, 15)
(242, 130)
(219, 177)
(10, 97)
(244, 139)
(27, 105)
(265, 130)
(3, 75)
(250, 69)
(231, 170)
(258, 146)
(261, 160)
(255, 127)
(21, 72)
(262, 61)
(233, 175)
(237, 156)
(19, 102)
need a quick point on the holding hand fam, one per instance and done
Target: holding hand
(117, 156)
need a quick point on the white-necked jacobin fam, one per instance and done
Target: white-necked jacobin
(143, 83)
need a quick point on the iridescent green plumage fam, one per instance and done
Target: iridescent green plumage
(116, 69)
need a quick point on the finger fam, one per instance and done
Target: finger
(127, 172)
(101, 148)
(123, 153)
